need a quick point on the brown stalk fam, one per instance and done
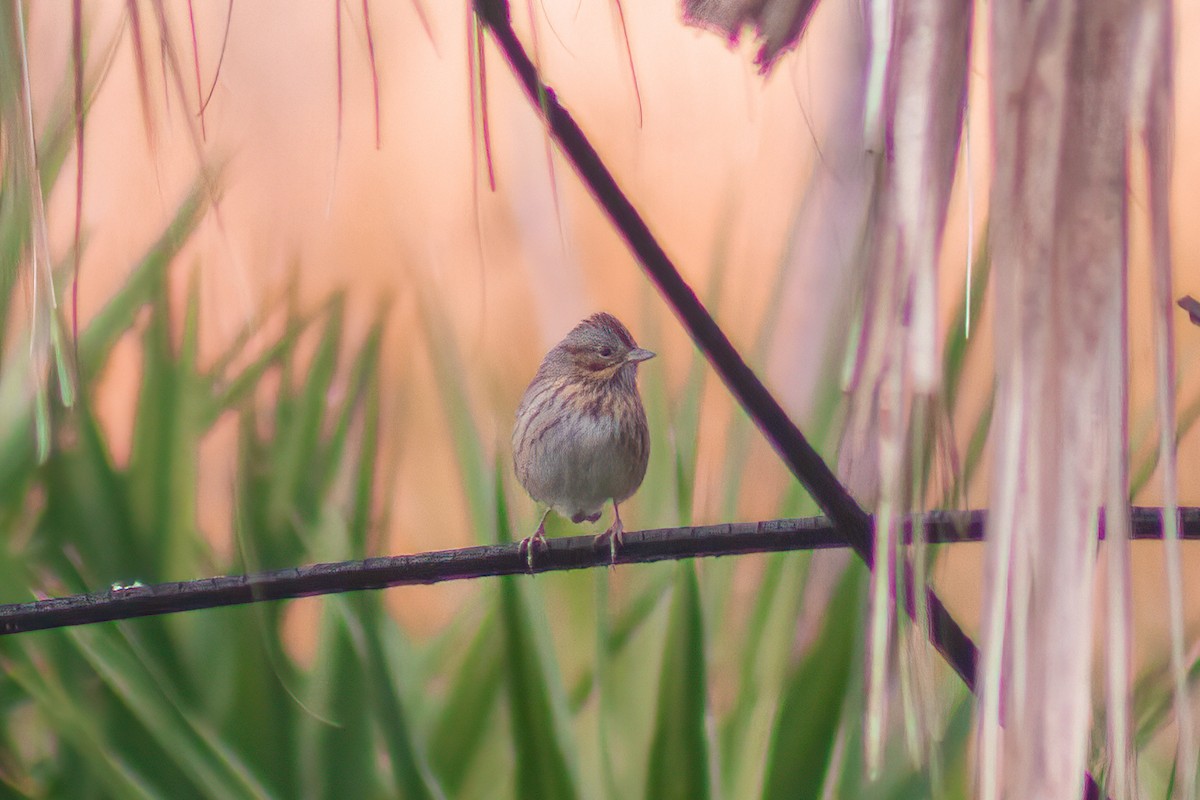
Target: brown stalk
(366, 7)
(220, 57)
(139, 61)
(196, 65)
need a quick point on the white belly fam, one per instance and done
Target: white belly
(584, 471)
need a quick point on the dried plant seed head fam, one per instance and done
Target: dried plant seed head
(1191, 306)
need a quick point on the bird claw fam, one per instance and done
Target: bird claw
(615, 536)
(529, 544)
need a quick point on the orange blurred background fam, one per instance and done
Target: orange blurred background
(719, 166)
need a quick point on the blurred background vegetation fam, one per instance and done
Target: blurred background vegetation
(296, 347)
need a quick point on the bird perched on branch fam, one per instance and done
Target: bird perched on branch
(581, 437)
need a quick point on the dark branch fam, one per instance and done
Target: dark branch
(574, 552)
(741, 380)
(850, 520)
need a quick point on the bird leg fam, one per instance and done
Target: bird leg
(615, 535)
(531, 543)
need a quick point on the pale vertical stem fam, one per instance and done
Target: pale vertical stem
(600, 673)
(913, 656)
(883, 576)
(43, 286)
(914, 104)
(77, 64)
(44, 301)
(1153, 64)
(969, 184)
(879, 25)
(1118, 685)
(1001, 524)
(1057, 211)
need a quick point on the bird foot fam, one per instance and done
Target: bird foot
(531, 543)
(615, 535)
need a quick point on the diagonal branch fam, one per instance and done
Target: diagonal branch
(573, 552)
(851, 521)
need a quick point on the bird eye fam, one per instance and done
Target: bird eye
(606, 351)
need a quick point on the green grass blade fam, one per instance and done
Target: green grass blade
(957, 345)
(952, 755)
(537, 705)
(1153, 701)
(80, 731)
(1146, 466)
(635, 614)
(120, 312)
(54, 145)
(366, 466)
(336, 754)
(298, 469)
(163, 463)
(236, 661)
(764, 643)
(473, 695)
(413, 778)
(363, 375)
(811, 708)
(449, 376)
(230, 392)
(680, 764)
(88, 510)
(978, 440)
(278, 303)
(214, 771)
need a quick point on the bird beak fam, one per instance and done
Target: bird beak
(638, 354)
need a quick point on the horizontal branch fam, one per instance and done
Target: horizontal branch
(572, 552)
(743, 383)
